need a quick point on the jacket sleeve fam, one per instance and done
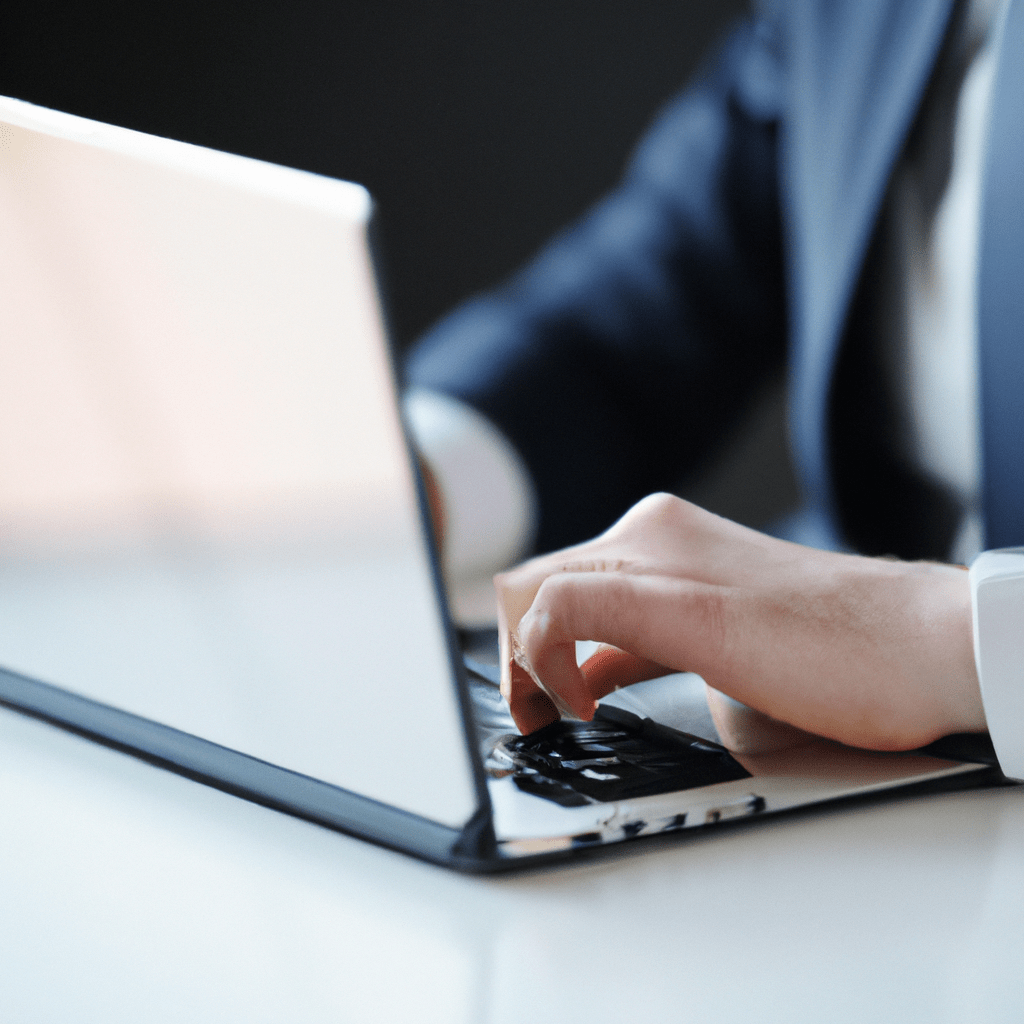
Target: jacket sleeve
(617, 358)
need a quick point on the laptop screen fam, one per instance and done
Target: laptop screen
(207, 511)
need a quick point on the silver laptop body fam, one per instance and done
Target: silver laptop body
(213, 550)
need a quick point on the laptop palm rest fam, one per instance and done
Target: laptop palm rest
(573, 784)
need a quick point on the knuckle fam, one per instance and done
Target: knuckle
(555, 599)
(659, 506)
(643, 510)
(663, 502)
(661, 510)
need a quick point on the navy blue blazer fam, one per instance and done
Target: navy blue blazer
(738, 243)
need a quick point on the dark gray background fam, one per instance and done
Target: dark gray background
(479, 127)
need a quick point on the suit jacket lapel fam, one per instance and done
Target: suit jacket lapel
(1001, 296)
(857, 73)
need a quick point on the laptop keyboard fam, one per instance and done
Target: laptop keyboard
(616, 756)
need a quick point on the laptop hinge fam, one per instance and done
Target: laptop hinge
(477, 840)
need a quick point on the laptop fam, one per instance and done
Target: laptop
(214, 550)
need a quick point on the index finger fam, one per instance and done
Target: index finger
(515, 590)
(532, 704)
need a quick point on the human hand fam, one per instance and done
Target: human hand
(870, 652)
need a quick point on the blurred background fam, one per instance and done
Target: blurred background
(480, 128)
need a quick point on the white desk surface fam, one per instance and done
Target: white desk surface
(131, 895)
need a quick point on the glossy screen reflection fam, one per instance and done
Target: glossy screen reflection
(207, 514)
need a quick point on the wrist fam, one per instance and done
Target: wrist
(916, 674)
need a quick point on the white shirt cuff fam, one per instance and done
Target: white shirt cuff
(997, 600)
(490, 503)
